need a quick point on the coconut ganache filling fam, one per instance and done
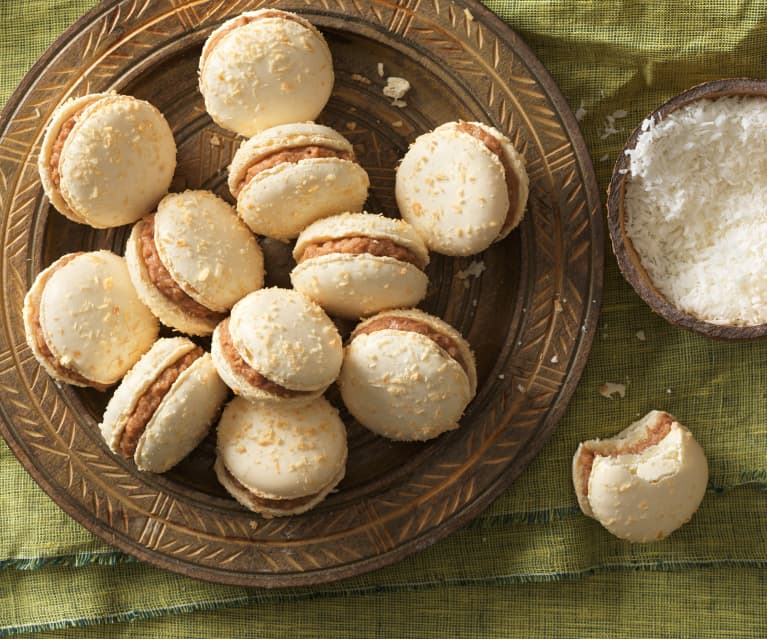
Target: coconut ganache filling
(291, 156)
(495, 147)
(408, 324)
(357, 245)
(150, 399)
(39, 336)
(162, 279)
(240, 367)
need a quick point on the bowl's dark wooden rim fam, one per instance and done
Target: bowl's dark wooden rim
(585, 215)
(628, 260)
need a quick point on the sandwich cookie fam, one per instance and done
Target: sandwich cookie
(192, 260)
(280, 459)
(287, 177)
(277, 345)
(84, 322)
(357, 264)
(106, 159)
(265, 68)
(407, 375)
(645, 482)
(462, 186)
(165, 405)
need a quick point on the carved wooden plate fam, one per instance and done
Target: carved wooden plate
(528, 305)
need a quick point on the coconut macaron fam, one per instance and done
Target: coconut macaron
(192, 260)
(265, 68)
(280, 459)
(288, 176)
(165, 405)
(106, 159)
(407, 375)
(358, 264)
(277, 345)
(645, 482)
(84, 321)
(462, 186)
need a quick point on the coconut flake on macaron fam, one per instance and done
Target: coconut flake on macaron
(462, 186)
(407, 375)
(84, 321)
(106, 159)
(192, 260)
(264, 68)
(357, 264)
(288, 176)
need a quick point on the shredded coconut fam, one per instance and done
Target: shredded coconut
(396, 88)
(581, 112)
(609, 390)
(696, 207)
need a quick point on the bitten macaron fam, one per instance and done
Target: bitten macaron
(407, 375)
(462, 186)
(192, 260)
(288, 176)
(277, 345)
(165, 405)
(106, 159)
(358, 264)
(280, 459)
(84, 321)
(265, 68)
(645, 482)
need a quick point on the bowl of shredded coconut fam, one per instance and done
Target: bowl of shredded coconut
(687, 209)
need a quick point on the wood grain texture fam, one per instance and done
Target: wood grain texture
(530, 316)
(628, 260)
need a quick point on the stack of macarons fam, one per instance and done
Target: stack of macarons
(193, 263)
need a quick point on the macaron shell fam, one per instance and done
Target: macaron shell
(287, 338)
(363, 225)
(61, 115)
(645, 497)
(452, 189)
(282, 201)
(121, 405)
(163, 308)
(281, 451)
(206, 248)
(117, 162)
(353, 286)
(242, 387)
(282, 138)
(183, 418)
(93, 321)
(403, 386)
(268, 72)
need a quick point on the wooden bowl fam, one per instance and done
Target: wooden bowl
(628, 259)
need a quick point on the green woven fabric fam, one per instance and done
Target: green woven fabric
(531, 565)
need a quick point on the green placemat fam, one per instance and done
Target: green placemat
(531, 564)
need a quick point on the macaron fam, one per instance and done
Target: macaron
(462, 186)
(106, 159)
(407, 375)
(280, 459)
(277, 345)
(84, 321)
(265, 68)
(165, 405)
(358, 264)
(192, 260)
(645, 482)
(288, 176)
